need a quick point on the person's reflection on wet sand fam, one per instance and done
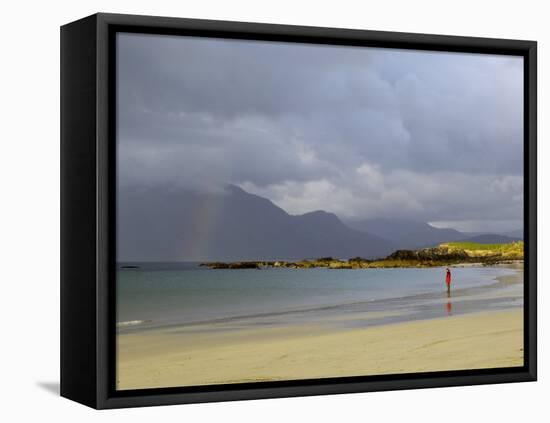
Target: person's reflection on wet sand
(449, 305)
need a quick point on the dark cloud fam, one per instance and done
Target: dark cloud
(360, 132)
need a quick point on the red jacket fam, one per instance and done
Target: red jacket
(448, 277)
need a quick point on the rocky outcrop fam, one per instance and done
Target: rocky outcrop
(443, 255)
(233, 265)
(430, 254)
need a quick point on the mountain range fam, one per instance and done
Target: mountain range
(406, 234)
(411, 234)
(175, 224)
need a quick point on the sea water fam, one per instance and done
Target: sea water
(154, 295)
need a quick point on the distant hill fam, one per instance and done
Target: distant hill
(518, 233)
(183, 225)
(491, 239)
(405, 233)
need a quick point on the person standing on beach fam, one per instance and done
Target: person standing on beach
(448, 280)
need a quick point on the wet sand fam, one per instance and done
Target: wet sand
(174, 357)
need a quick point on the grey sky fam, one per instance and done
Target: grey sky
(355, 131)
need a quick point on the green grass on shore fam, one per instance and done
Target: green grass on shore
(502, 248)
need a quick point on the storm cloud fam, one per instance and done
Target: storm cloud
(361, 132)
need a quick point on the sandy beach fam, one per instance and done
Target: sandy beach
(174, 357)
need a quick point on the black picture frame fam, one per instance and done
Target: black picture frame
(88, 219)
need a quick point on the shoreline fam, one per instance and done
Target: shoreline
(166, 357)
(370, 312)
(357, 264)
(445, 254)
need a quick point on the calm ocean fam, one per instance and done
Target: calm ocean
(156, 295)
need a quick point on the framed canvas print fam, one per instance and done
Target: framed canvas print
(255, 211)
